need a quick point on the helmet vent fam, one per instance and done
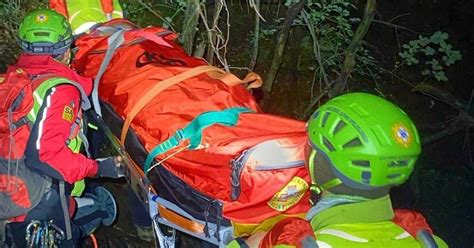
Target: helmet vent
(353, 143)
(315, 115)
(366, 176)
(339, 127)
(328, 144)
(325, 119)
(41, 34)
(398, 163)
(362, 163)
(393, 176)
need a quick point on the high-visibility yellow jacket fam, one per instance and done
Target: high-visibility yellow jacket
(84, 14)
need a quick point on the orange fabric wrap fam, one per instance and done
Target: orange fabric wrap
(141, 70)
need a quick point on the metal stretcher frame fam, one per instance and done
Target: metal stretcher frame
(160, 210)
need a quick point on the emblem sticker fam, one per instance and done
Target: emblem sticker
(68, 113)
(402, 135)
(289, 195)
(41, 18)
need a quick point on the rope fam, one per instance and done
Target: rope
(94, 240)
(167, 157)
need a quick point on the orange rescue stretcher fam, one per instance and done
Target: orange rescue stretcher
(198, 150)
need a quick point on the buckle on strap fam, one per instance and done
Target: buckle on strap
(19, 123)
(237, 166)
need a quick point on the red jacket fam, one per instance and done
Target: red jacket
(47, 150)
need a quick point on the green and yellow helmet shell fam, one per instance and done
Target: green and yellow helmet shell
(368, 141)
(45, 31)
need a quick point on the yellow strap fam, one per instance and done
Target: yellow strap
(214, 72)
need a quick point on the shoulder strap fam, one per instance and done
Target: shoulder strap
(3, 232)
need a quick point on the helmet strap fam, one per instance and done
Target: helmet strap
(316, 189)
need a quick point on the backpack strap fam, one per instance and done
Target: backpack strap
(3, 233)
(64, 206)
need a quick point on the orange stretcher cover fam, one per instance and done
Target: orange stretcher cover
(149, 56)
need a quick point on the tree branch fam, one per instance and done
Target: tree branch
(191, 17)
(292, 12)
(349, 61)
(253, 60)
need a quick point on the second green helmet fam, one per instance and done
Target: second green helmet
(45, 31)
(368, 141)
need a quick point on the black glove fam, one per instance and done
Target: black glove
(108, 168)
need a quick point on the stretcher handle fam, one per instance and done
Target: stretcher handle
(214, 72)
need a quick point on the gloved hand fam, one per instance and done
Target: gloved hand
(110, 167)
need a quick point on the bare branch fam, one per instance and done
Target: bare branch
(349, 61)
(292, 12)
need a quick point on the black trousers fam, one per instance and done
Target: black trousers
(49, 209)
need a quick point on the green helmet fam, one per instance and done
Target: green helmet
(45, 31)
(369, 142)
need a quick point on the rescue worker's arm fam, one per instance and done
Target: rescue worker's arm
(47, 149)
(108, 7)
(59, 6)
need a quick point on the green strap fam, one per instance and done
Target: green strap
(193, 131)
(331, 183)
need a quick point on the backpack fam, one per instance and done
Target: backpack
(20, 188)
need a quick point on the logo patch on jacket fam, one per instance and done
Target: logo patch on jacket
(289, 195)
(68, 113)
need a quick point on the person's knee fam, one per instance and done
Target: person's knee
(95, 209)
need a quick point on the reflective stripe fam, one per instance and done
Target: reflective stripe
(119, 13)
(86, 20)
(342, 235)
(73, 16)
(38, 98)
(40, 128)
(84, 27)
(322, 244)
(38, 102)
(404, 235)
(71, 19)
